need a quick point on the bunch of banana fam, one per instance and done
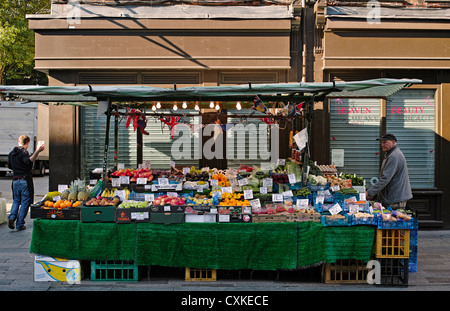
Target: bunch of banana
(50, 195)
(107, 194)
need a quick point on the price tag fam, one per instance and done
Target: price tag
(149, 197)
(140, 165)
(362, 196)
(233, 182)
(172, 194)
(292, 179)
(92, 181)
(214, 182)
(255, 204)
(281, 161)
(242, 182)
(124, 180)
(227, 190)
(320, 199)
(163, 181)
(263, 190)
(120, 166)
(224, 218)
(302, 203)
(141, 181)
(172, 163)
(56, 198)
(353, 208)
(61, 188)
(205, 169)
(166, 208)
(352, 199)
(115, 182)
(335, 209)
(248, 194)
(267, 182)
(277, 197)
(324, 193)
(147, 164)
(335, 188)
(120, 194)
(148, 187)
(186, 170)
(288, 194)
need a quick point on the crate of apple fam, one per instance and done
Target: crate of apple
(169, 200)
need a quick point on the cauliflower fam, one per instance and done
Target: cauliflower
(317, 180)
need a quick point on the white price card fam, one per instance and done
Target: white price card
(323, 193)
(56, 198)
(353, 208)
(92, 181)
(166, 208)
(335, 209)
(352, 199)
(227, 190)
(120, 194)
(172, 163)
(277, 197)
(335, 188)
(149, 197)
(115, 182)
(362, 196)
(61, 188)
(186, 170)
(248, 194)
(233, 182)
(255, 204)
(148, 187)
(242, 182)
(172, 194)
(292, 179)
(147, 164)
(288, 194)
(163, 181)
(120, 166)
(281, 161)
(320, 199)
(205, 169)
(267, 182)
(141, 181)
(263, 190)
(302, 203)
(124, 180)
(214, 182)
(140, 165)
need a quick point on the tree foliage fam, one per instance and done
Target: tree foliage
(17, 40)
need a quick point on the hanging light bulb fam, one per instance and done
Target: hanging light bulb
(217, 106)
(184, 105)
(211, 104)
(175, 107)
(197, 107)
(238, 106)
(153, 107)
(158, 105)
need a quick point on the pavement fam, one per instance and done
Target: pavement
(17, 269)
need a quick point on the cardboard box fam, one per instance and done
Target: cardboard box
(52, 269)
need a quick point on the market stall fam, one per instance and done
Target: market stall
(294, 213)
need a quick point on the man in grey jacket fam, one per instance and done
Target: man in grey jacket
(393, 188)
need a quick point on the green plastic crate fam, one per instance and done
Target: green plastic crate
(98, 213)
(116, 270)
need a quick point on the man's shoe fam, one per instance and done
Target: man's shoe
(11, 223)
(21, 228)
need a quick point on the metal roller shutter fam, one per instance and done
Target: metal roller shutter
(354, 127)
(411, 118)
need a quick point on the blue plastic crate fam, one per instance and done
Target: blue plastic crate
(373, 221)
(412, 258)
(322, 207)
(340, 198)
(362, 207)
(328, 221)
(399, 224)
(315, 188)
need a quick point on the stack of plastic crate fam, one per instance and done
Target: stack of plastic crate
(392, 250)
(413, 244)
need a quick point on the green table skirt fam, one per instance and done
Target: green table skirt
(258, 246)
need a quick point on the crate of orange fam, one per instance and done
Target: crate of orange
(58, 210)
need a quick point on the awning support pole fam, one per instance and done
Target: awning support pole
(105, 153)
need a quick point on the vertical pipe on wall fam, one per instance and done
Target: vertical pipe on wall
(105, 153)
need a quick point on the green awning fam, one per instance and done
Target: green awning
(247, 92)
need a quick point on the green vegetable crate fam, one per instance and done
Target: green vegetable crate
(98, 213)
(115, 270)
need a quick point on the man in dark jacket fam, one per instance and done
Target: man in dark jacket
(21, 163)
(393, 188)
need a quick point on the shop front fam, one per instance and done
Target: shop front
(413, 44)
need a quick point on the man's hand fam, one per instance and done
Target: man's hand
(368, 197)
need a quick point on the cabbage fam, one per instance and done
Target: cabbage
(293, 168)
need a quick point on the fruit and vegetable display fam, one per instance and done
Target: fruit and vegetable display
(228, 194)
